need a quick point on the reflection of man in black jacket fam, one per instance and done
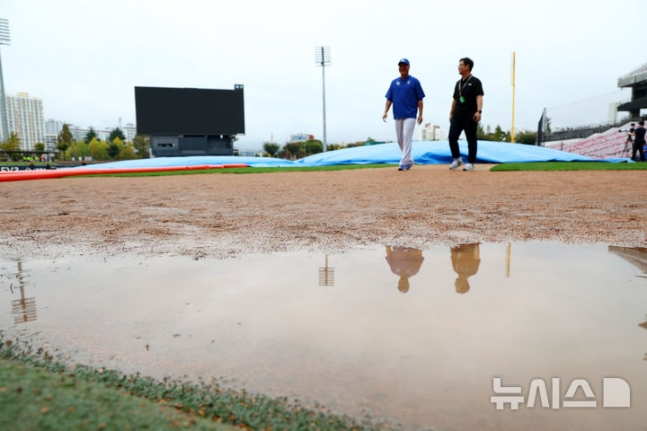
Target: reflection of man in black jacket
(404, 262)
(465, 261)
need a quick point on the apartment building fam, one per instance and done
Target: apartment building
(25, 118)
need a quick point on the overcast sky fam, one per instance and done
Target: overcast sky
(84, 58)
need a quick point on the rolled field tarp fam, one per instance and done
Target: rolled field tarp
(43, 174)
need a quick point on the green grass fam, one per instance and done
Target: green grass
(250, 170)
(569, 166)
(35, 399)
(39, 393)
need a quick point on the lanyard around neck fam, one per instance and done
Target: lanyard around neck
(460, 87)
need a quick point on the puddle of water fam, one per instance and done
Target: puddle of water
(415, 337)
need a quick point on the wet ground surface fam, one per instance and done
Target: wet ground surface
(224, 215)
(415, 336)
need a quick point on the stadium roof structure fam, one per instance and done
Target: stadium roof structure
(635, 77)
(637, 81)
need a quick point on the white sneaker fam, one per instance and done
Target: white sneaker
(468, 167)
(456, 163)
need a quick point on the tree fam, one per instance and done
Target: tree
(117, 133)
(482, 134)
(127, 151)
(293, 149)
(271, 148)
(12, 143)
(526, 137)
(64, 139)
(313, 146)
(98, 149)
(499, 135)
(78, 150)
(114, 148)
(142, 145)
(90, 135)
(39, 147)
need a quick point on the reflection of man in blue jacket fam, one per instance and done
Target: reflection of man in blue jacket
(404, 262)
(466, 259)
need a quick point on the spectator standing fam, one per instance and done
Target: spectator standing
(639, 142)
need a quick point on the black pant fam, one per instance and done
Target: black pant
(638, 146)
(456, 126)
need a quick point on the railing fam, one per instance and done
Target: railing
(581, 132)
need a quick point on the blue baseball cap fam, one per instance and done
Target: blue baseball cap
(403, 60)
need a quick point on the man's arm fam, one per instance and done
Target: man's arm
(479, 108)
(386, 109)
(451, 110)
(420, 111)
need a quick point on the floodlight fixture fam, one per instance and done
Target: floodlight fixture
(4, 122)
(4, 32)
(322, 59)
(322, 55)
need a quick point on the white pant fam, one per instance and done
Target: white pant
(404, 132)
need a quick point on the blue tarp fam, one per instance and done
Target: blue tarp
(437, 152)
(423, 153)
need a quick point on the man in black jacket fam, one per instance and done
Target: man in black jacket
(465, 114)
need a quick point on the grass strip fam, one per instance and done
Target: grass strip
(569, 166)
(36, 399)
(40, 393)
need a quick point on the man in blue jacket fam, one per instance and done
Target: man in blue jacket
(405, 94)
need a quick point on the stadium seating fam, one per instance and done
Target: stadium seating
(606, 145)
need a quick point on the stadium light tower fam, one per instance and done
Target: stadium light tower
(322, 58)
(4, 40)
(514, 78)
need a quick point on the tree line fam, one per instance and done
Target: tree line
(116, 147)
(499, 135)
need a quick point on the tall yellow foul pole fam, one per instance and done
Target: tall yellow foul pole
(514, 55)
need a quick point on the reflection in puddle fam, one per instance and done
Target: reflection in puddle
(404, 262)
(23, 309)
(343, 335)
(326, 275)
(465, 261)
(637, 256)
(644, 325)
